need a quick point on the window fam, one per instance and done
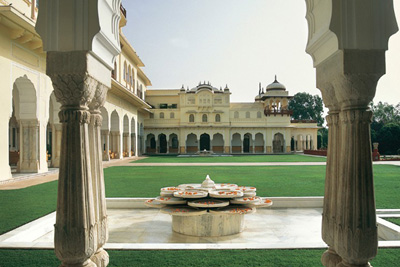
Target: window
(217, 118)
(191, 118)
(204, 118)
(125, 70)
(236, 115)
(191, 101)
(218, 101)
(129, 76)
(163, 106)
(172, 115)
(247, 115)
(161, 115)
(259, 114)
(151, 116)
(152, 143)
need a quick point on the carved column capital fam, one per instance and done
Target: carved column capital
(99, 98)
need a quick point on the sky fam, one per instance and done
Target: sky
(238, 43)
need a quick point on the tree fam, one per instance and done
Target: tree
(385, 127)
(307, 107)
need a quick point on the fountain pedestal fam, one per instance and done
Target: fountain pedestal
(209, 224)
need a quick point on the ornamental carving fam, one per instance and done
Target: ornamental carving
(99, 97)
(74, 116)
(73, 90)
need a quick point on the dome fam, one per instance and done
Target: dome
(276, 86)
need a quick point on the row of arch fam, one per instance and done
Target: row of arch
(249, 143)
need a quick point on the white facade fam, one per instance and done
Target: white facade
(203, 118)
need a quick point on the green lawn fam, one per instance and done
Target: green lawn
(224, 258)
(236, 158)
(394, 220)
(24, 205)
(271, 181)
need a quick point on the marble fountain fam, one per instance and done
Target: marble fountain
(208, 209)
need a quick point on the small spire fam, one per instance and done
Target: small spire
(275, 79)
(199, 82)
(183, 87)
(220, 88)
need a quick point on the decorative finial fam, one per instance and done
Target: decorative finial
(275, 79)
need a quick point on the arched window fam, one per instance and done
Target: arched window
(236, 115)
(114, 71)
(129, 76)
(172, 115)
(204, 118)
(161, 115)
(259, 114)
(152, 143)
(125, 70)
(174, 142)
(217, 118)
(247, 115)
(191, 118)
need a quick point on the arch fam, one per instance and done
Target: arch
(129, 76)
(115, 121)
(191, 118)
(106, 122)
(151, 143)
(24, 98)
(259, 115)
(125, 137)
(217, 143)
(205, 142)
(191, 143)
(53, 133)
(126, 124)
(163, 144)
(247, 114)
(204, 118)
(161, 115)
(172, 115)
(278, 143)
(247, 142)
(236, 143)
(174, 143)
(259, 143)
(133, 137)
(125, 70)
(236, 115)
(217, 118)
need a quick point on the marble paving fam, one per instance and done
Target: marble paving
(151, 229)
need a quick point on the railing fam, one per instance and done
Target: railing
(269, 112)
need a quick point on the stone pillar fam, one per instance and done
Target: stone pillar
(100, 258)
(29, 146)
(106, 152)
(348, 48)
(57, 132)
(75, 232)
(79, 63)
(253, 146)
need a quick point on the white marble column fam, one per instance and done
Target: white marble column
(57, 132)
(100, 258)
(106, 152)
(29, 146)
(75, 237)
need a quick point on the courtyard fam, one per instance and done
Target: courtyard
(277, 236)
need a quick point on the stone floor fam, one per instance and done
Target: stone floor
(151, 229)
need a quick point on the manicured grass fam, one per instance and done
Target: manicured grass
(24, 205)
(236, 158)
(394, 220)
(269, 180)
(288, 258)
(272, 181)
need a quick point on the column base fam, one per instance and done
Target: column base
(330, 258)
(101, 258)
(87, 263)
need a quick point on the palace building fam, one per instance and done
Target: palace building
(188, 121)
(135, 120)
(30, 124)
